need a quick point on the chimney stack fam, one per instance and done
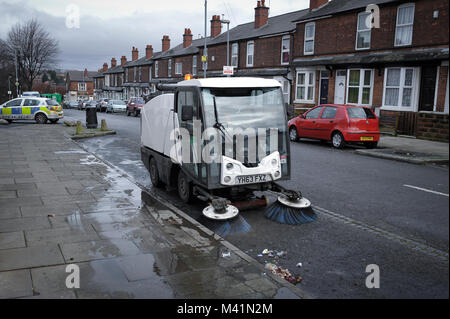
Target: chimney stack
(187, 38)
(314, 4)
(134, 54)
(261, 14)
(216, 26)
(148, 51)
(85, 73)
(113, 63)
(105, 67)
(123, 60)
(165, 43)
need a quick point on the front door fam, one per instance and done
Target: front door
(427, 88)
(339, 89)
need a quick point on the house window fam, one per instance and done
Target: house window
(178, 68)
(194, 65)
(405, 22)
(305, 86)
(250, 53)
(310, 30)
(285, 48)
(156, 69)
(149, 73)
(126, 75)
(360, 86)
(399, 87)
(169, 68)
(235, 54)
(363, 33)
(140, 74)
(82, 87)
(134, 73)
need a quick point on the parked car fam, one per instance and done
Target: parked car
(31, 94)
(101, 105)
(339, 124)
(38, 109)
(72, 104)
(82, 104)
(91, 103)
(116, 106)
(135, 105)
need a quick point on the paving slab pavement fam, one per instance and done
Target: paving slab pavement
(61, 205)
(410, 150)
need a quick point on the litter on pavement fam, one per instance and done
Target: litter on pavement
(283, 273)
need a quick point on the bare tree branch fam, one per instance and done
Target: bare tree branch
(34, 47)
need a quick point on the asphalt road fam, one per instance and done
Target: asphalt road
(366, 216)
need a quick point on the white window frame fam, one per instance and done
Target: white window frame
(397, 26)
(194, 65)
(178, 68)
(358, 31)
(169, 68)
(288, 50)
(415, 90)
(150, 69)
(156, 69)
(252, 43)
(235, 55)
(307, 73)
(134, 74)
(361, 86)
(309, 38)
(140, 74)
(82, 87)
(126, 74)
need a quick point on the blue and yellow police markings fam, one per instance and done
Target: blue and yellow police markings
(26, 112)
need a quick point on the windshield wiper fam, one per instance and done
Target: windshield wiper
(219, 125)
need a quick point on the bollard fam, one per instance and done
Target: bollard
(79, 129)
(104, 127)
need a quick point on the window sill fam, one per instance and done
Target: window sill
(397, 108)
(305, 102)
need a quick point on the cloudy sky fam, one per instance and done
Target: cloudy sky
(109, 28)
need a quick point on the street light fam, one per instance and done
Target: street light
(204, 46)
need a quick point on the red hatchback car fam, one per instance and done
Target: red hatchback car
(339, 124)
(134, 106)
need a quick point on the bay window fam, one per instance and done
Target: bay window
(360, 85)
(363, 32)
(156, 69)
(399, 87)
(404, 27)
(169, 68)
(310, 30)
(305, 86)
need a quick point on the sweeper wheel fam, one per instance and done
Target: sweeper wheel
(298, 203)
(229, 213)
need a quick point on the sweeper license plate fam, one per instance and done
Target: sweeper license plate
(250, 179)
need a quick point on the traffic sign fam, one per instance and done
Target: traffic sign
(228, 70)
(204, 58)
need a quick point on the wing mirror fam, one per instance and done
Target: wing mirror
(187, 113)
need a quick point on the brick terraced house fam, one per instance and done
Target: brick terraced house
(80, 84)
(399, 67)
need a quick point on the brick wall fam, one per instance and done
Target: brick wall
(427, 30)
(433, 126)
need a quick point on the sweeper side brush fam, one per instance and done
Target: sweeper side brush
(292, 210)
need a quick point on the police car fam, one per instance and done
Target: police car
(31, 108)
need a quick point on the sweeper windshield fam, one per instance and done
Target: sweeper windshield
(244, 107)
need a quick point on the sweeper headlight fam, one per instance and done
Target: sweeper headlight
(230, 166)
(277, 174)
(274, 162)
(227, 179)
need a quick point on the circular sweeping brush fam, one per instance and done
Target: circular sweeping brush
(291, 211)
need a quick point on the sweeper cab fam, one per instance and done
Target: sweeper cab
(221, 140)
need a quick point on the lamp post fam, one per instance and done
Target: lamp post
(9, 86)
(17, 78)
(204, 46)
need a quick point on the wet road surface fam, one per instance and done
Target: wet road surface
(366, 216)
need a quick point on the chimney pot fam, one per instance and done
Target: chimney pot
(105, 67)
(261, 14)
(314, 4)
(148, 51)
(113, 62)
(216, 26)
(165, 43)
(187, 38)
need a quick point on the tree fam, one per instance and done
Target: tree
(35, 50)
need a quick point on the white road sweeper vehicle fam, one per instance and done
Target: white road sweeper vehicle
(221, 140)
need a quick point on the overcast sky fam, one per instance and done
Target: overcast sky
(109, 28)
